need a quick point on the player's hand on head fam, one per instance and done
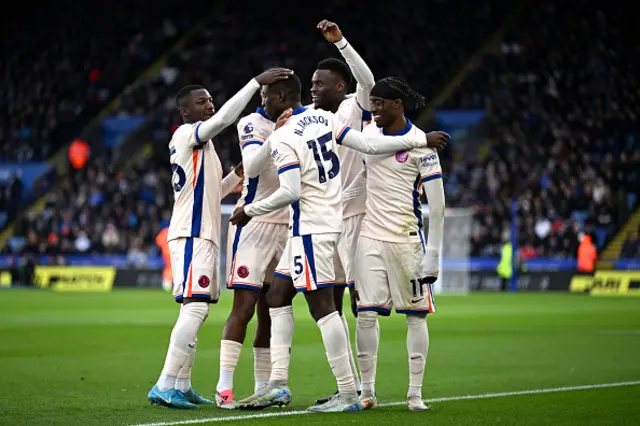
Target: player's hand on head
(239, 217)
(272, 75)
(330, 31)
(286, 114)
(438, 139)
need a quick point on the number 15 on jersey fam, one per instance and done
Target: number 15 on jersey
(324, 157)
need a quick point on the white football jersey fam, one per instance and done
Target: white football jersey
(393, 209)
(351, 161)
(308, 141)
(254, 129)
(197, 185)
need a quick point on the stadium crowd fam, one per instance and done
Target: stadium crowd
(58, 72)
(563, 110)
(101, 210)
(564, 131)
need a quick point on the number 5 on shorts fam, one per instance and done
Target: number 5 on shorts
(297, 265)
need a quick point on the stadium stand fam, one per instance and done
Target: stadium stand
(559, 141)
(60, 72)
(232, 39)
(562, 107)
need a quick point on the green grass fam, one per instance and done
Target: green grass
(90, 359)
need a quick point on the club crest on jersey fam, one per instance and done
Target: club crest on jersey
(204, 281)
(248, 128)
(243, 271)
(402, 156)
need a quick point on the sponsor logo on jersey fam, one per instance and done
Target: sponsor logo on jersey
(246, 137)
(204, 281)
(243, 271)
(430, 159)
(248, 128)
(402, 156)
(417, 299)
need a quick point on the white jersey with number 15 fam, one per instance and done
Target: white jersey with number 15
(308, 141)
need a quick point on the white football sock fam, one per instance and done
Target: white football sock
(183, 382)
(281, 338)
(417, 348)
(261, 367)
(182, 339)
(335, 343)
(352, 362)
(229, 356)
(367, 342)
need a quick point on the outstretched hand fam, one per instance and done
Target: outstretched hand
(330, 31)
(438, 139)
(272, 75)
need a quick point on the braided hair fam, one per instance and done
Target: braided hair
(397, 88)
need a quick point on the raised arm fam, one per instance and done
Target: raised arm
(359, 68)
(230, 111)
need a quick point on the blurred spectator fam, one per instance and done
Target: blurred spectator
(630, 247)
(587, 256)
(59, 72)
(562, 106)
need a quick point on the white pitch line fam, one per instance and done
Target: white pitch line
(392, 404)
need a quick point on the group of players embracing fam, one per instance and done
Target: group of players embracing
(329, 201)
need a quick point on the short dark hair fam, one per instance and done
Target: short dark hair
(337, 66)
(292, 86)
(185, 92)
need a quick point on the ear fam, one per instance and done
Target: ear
(341, 86)
(184, 111)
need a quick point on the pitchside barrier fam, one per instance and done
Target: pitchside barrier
(104, 278)
(460, 273)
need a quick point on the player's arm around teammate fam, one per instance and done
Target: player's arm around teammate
(195, 227)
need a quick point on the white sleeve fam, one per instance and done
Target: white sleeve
(357, 187)
(255, 152)
(229, 112)
(376, 144)
(254, 158)
(361, 72)
(290, 183)
(229, 182)
(431, 173)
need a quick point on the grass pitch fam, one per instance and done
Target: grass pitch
(90, 359)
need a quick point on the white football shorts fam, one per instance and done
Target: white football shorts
(308, 260)
(194, 263)
(256, 249)
(346, 252)
(387, 275)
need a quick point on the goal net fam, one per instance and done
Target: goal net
(456, 248)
